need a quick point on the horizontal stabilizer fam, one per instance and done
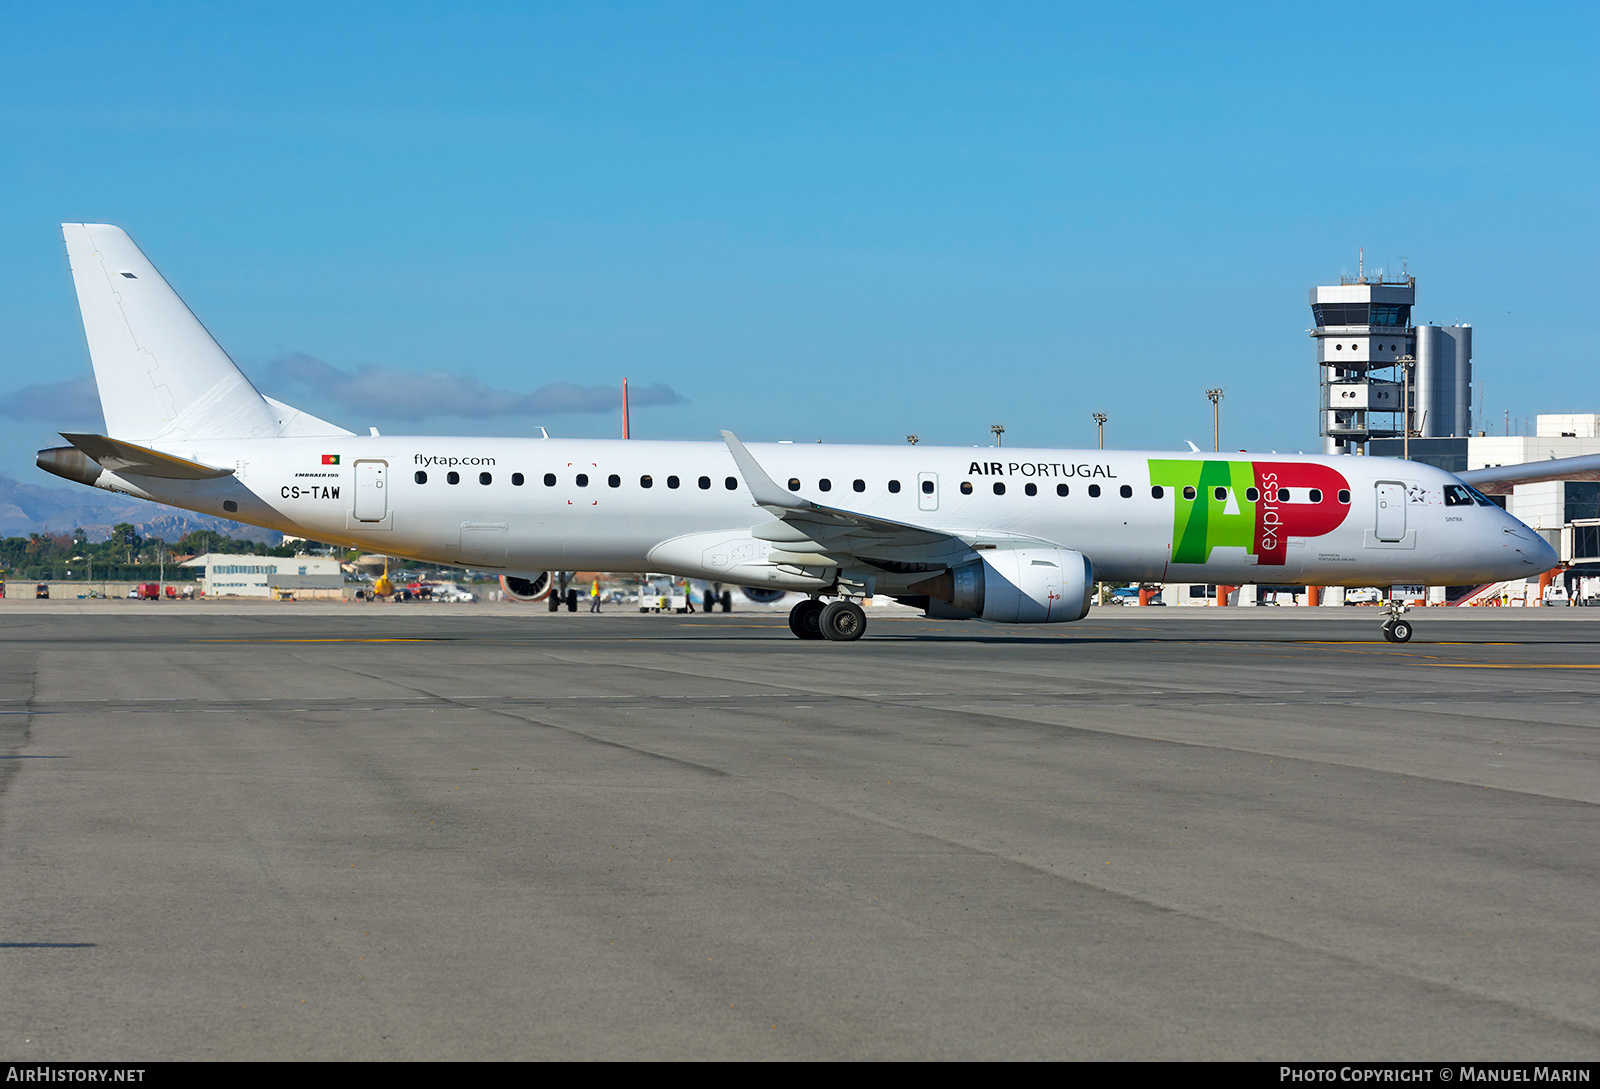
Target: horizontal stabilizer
(1500, 479)
(126, 457)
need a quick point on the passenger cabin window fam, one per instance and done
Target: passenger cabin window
(453, 477)
(824, 485)
(731, 483)
(927, 487)
(705, 483)
(999, 488)
(1220, 494)
(1031, 489)
(1126, 491)
(1157, 492)
(966, 487)
(1062, 489)
(646, 482)
(1316, 495)
(858, 485)
(549, 480)
(1188, 492)
(613, 481)
(794, 483)
(672, 482)
(1344, 496)
(1283, 495)
(420, 477)
(1094, 491)
(517, 480)
(894, 487)
(583, 480)
(485, 478)
(1251, 494)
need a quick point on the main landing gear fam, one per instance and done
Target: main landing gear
(1395, 629)
(842, 621)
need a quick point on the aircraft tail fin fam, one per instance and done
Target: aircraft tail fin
(160, 374)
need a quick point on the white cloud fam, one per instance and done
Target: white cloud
(407, 395)
(58, 403)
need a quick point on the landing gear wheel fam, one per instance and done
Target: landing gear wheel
(1397, 631)
(805, 619)
(843, 621)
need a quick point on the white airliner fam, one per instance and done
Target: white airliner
(1007, 535)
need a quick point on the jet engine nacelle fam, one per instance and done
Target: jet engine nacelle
(1024, 586)
(536, 588)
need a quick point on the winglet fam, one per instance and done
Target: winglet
(1192, 447)
(763, 487)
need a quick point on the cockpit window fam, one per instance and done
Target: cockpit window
(1464, 495)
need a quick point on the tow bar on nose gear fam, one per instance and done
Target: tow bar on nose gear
(1395, 629)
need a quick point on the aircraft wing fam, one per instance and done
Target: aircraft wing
(808, 533)
(127, 457)
(1500, 479)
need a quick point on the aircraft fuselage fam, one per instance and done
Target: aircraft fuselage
(526, 505)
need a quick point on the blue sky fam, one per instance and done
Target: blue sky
(846, 222)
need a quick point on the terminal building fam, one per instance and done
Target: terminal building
(269, 576)
(1564, 512)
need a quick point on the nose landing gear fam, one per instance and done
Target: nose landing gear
(1395, 629)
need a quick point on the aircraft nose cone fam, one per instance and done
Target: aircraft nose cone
(1536, 552)
(1546, 557)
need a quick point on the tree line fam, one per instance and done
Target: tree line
(124, 556)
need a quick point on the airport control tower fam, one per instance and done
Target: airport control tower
(1365, 344)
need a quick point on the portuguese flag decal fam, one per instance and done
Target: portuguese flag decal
(330, 459)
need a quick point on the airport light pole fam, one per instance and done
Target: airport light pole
(999, 433)
(912, 439)
(1100, 419)
(1406, 363)
(1215, 396)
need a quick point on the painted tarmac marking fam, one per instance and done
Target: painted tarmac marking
(1512, 665)
(413, 639)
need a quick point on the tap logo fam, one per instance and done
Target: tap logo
(1254, 505)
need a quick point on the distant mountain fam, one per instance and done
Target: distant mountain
(30, 508)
